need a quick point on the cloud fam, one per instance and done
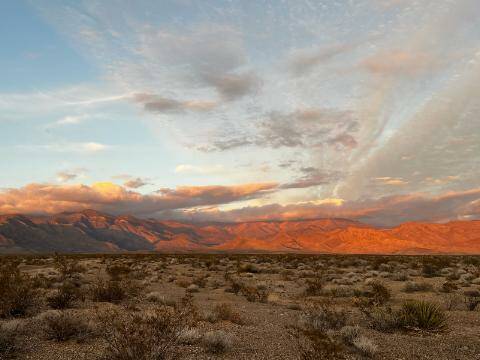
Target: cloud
(135, 183)
(84, 147)
(304, 128)
(303, 61)
(400, 62)
(386, 180)
(194, 169)
(312, 177)
(65, 176)
(232, 86)
(112, 198)
(158, 104)
(70, 120)
(385, 211)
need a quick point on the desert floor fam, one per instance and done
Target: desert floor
(239, 307)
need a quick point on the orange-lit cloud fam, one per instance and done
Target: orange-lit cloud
(386, 211)
(109, 197)
(204, 203)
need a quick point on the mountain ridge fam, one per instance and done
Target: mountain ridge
(94, 231)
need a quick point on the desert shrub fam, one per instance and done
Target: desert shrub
(152, 335)
(8, 342)
(118, 271)
(64, 325)
(314, 286)
(255, 294)
(156, 297)
(67, 267)
(200, 281)
(412, 286)
(383, 319)
(448, 287)
(431, 265)
(471, 302)
(422, 315)
(225, 312)
(17, 293)
(322, 317)
(217, 342)
(248, 268)
(452, 301)
(378, 293)
(64, 296)
(112, 291)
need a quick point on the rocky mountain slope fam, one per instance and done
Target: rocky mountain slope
(92, 231)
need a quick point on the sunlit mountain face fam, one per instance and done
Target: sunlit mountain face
(238, 111)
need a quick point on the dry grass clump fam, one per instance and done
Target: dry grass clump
(217, 342)
(152, 335)
(365, 346)
(65, 325)
(189, 336)
(17, 293)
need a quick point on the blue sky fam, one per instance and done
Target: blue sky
(246, 109)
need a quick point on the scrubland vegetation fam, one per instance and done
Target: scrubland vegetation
(126, 307)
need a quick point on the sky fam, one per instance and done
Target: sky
(238, 110)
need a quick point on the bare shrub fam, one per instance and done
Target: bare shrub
(152, 335)
(65, 325)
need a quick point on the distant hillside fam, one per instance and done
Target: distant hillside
(92, 231)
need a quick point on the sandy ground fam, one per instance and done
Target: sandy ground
(264, 332)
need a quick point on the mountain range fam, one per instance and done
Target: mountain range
(90, 231)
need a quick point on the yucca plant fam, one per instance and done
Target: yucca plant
(422, 315)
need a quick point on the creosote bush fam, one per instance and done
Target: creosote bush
(64, 296)
(65, 325)
(150, 335)
(112, 291)
(17, 293)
